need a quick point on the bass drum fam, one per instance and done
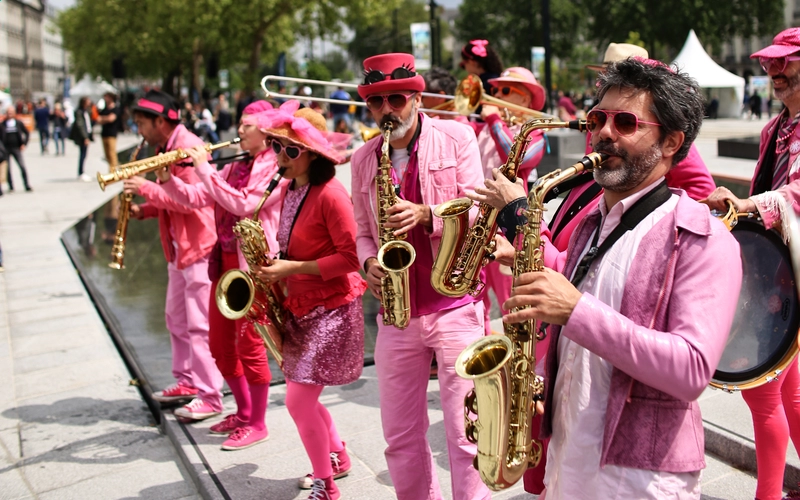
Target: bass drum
(764, 335)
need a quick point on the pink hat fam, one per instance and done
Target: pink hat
(390, 72)
(785, 43)
(304, 127)
(523, 77)
(256, 107)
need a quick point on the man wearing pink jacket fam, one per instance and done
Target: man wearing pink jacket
(187, 237)
(433, 161)
(643, 308)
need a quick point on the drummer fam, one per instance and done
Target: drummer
(774, 190)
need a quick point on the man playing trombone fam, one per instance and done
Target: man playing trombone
(187, 236)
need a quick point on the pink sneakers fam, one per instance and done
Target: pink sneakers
(196, 410)
(244, 437)
(340, 463)
(175, 393)
(228, 425)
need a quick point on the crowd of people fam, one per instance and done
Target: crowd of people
(637, 295)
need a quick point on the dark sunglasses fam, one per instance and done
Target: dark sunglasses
(376, 75)
(780, 62)
(396, 101)
(506, 91)
(293, 152)
(625, 122)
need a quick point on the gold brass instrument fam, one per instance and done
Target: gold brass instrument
(470, 95)
(395, 255)
(152, 164)
(457, 267)
(121, 233)
(368, 133)
(242, 294)
(502, 366)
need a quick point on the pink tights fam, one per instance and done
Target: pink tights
(775, 407)
(315, 425)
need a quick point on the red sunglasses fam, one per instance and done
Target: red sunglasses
(293, 152)
(506, 91)
(625, 122)
(396, 101)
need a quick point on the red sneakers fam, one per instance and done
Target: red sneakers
(175, 393)
(196, 410)
(340, 463)
(324, 489)
(228, 425)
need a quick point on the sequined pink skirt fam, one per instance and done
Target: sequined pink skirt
(325, 347)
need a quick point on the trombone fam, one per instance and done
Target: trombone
(277, 95)
(470, 95)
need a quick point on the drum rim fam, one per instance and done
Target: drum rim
(749, 381)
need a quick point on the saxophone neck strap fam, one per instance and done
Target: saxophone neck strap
(630, 219)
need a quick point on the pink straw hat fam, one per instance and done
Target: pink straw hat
(303, 127)
(525, 78)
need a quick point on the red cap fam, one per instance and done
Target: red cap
(387, 63)
(787, 42)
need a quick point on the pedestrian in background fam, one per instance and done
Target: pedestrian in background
(14, 137)
(81, 134)
(111, 122)
(59, 119)
(41, 116)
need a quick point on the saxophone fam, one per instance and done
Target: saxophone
(458, 263)
(121, 233)
(502, 366)
(395, 256)
(242, 294)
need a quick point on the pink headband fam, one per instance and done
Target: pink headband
(158, 108)
(479, 47)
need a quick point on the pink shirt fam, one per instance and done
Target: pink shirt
(583, 385)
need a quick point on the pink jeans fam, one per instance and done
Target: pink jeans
(775, 407)
(403, 361)
(187, 321)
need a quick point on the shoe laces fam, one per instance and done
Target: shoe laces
(318, 491)
(171, 388)
(196, 404)
(335, 461)
(240, 433)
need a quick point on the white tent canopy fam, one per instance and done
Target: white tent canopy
(726, 86)
(93, 89)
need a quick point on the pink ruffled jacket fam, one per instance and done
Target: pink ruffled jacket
(194, 230)
(665, 343)
(215, 188)
(772, 205)
(449, 165)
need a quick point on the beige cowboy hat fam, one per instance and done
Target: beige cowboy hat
(619, 52)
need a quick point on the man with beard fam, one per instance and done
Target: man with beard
(774, 190)
(433, 161)
(643, 308)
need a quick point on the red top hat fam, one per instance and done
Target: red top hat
(388, 73)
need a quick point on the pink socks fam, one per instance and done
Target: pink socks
(259, 395)
(241, 394)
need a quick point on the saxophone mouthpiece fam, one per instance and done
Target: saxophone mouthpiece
(577, 125)
(236, 140)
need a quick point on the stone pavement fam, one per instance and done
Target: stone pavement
(72, 427)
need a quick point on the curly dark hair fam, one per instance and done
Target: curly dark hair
(439, 80)
(677, 102)
(320, 171)
(490, 64)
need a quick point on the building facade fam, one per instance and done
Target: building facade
(32, 59)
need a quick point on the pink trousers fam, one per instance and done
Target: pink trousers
(775, 407)
(403, 361)
(187, 321)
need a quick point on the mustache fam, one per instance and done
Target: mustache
(609, 148)
(390, 119)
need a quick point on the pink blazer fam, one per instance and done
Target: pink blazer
(449, 165)
(215, 188)
(194, 230)
(767, 204)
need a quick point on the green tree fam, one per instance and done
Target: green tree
(663, 26)
(513, 27)
(386, 29)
